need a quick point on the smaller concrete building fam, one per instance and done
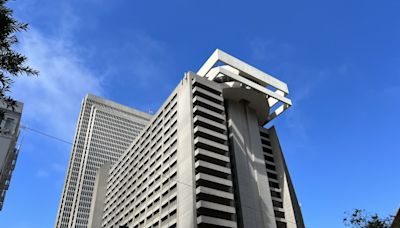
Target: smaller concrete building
(9, 132)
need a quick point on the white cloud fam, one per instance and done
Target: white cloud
(52, 100)
(42, 174)
(269, 51)
(57, 167)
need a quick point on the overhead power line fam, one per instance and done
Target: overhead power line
(45, 134)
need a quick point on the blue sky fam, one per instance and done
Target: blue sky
(341, 60)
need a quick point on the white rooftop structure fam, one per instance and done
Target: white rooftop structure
(222, 67)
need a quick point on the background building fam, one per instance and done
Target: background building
(104, 131)
(205, 160)
(9, 132)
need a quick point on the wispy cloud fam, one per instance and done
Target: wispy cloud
(52, 100)
(42, 174)
(142, 57)
(303, 81)
(53, 170)
(268, 50)
(57, 167)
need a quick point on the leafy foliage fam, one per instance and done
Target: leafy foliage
(359, 219)
(12, 63)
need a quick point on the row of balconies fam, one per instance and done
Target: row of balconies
(273, 178)
(157, 139)
(214, 189)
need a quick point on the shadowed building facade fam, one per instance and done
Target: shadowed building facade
(104, 131)
(205, 159)
(9, 132)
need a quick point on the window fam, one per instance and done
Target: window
(280, 224)
(267, 150)
(268, 158)
(265, 142)
(270, 167)
(9, 126)
(277, 204)
(279, 214)
(272, 175)
(276, 194)
(273, 184)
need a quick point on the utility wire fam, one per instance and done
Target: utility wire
(64, 141)
(45, 134)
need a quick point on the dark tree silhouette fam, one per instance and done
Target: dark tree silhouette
(360, 219)
(12, 63)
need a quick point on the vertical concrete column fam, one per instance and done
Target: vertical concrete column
(99, 196)
(185, 175)
(251, 181)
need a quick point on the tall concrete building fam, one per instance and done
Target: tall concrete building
(104, 131)
(205, 159)
(9, 132)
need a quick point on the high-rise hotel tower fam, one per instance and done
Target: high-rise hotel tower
(105, 130)
(205, 159)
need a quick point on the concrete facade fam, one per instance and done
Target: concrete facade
(104, 131)
(205, 159)
(99, 194)
(9, 132)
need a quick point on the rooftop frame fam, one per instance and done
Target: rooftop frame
(250, 77)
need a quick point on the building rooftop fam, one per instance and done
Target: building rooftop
(235, 73)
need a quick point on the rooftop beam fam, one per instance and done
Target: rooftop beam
(278, 95)
(251, 72)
